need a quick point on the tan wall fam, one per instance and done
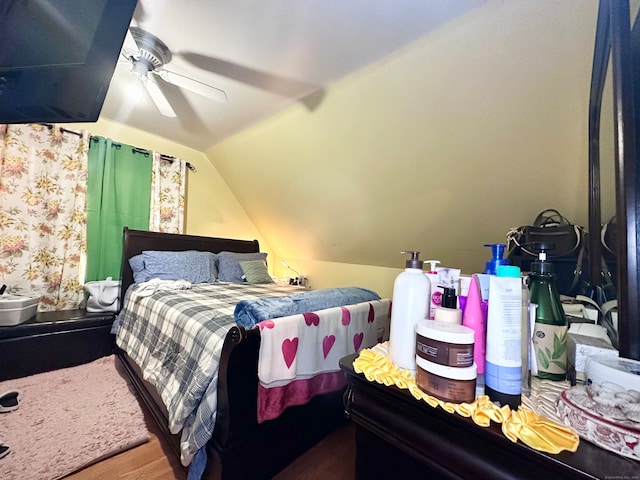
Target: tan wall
(440, 148)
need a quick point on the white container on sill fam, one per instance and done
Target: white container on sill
(16, 309)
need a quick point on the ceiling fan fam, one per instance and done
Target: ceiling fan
(148, 55)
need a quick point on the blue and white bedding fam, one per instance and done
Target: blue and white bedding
(176, 338)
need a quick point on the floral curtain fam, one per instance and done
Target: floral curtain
(43, 175)
(168, 184)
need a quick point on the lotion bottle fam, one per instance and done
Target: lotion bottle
(503, 361)
(497, 250)
(434, 279)
(475, 318)
(449, 311)
(411, 292)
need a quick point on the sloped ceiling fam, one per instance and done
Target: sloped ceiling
(440, 147)
(265, 54)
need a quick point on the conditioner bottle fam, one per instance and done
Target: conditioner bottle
(411, 291)
(503, 362)
(550, 327)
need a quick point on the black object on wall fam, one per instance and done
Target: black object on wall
(58, 56)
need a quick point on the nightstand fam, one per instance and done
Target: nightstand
(53, 340)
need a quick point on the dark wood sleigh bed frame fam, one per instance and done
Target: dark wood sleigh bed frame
(240, 446)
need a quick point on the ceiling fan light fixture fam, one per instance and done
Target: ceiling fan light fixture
(140, 68)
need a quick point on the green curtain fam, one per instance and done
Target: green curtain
(118, 195)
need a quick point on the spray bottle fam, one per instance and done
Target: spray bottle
(411, 291)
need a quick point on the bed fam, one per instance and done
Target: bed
(244, 443)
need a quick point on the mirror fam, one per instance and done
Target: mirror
(613, 163)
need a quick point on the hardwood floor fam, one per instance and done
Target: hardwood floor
(333, 457)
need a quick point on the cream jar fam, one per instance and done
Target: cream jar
(449, 384)
(443, 343)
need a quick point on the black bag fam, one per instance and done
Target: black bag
(549, 227)
(567, 248)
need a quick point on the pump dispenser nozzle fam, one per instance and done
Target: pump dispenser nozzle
(432, 265)
(414, 262)
(497, 250)
(542, 266)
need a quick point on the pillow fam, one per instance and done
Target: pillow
(190, 265)
(255, 271)
(229, 269)
(137, 266)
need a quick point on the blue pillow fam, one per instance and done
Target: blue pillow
(189, 265)
(137, 266)
(229, 269)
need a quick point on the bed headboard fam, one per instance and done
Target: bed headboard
(135, 242)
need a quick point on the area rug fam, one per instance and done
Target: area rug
(69, 419)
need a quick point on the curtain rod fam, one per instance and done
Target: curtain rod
(168, 158)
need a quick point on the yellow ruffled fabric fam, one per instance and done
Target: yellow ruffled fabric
(540, 433)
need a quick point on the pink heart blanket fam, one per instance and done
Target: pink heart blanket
(301, 346)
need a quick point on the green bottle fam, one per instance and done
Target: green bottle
(550, 329)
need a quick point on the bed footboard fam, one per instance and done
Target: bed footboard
(273, 444)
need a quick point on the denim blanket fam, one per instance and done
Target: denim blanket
(249, 312)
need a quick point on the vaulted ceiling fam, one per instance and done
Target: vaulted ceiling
(263, 54)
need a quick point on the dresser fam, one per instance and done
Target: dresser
(53, 340)
(397, 435)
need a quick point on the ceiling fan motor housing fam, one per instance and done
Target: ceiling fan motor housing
(153, 51)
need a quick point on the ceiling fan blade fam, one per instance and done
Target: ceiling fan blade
(193, 85)
(158, 98)
(284, 86)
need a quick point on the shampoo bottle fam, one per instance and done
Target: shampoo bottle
(503, 363)
(550, 329)
(411, 291)
(497, 250)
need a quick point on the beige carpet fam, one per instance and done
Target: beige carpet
(68, 419)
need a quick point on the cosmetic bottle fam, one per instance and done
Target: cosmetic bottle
(411, 291)
(448, 312)
(474, 317)
(434, 279)
(525, 341)
(463, 291)
(497, 250)
(550, 328)
(503, 363)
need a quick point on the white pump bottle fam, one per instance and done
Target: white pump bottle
(411, 294)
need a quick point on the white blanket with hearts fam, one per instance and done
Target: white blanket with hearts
(300, 346)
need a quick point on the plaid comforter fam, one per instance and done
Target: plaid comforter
(176, 338)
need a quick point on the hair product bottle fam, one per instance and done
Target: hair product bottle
(474, 317)
(411, 292)
(550, 328)
(497, 250)
(503, 365)
(449, 312)
(434, 279)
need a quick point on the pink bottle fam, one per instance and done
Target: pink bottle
(475, 317)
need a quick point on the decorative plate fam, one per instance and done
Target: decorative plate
(598, 415)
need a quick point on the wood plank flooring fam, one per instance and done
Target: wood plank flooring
(333, 457)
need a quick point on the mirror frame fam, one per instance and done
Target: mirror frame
(615, 36)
